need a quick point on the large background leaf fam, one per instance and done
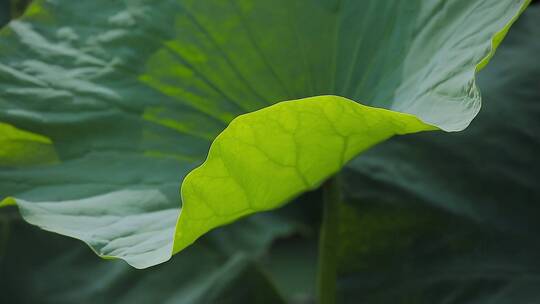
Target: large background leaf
(453, 218)
(131, 103)
(402, 250)
(221, 268)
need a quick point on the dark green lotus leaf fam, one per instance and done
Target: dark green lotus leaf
(221, 268)
(453, 218)
(4, 12)
(131, 94)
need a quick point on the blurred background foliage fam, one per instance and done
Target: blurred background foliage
(10, 9)
(428, 218)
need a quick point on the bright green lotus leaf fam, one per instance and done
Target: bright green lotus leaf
(133, 94)
(21, 148)
(316, 137)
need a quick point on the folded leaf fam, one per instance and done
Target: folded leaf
(265, 158)
(132, 95)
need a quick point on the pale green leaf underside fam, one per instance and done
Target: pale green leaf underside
(131, 105)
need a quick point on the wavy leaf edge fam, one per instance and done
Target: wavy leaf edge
(181, 240)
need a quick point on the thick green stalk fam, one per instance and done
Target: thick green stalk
(328, 242)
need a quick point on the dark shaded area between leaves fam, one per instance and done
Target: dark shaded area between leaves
(11, 9)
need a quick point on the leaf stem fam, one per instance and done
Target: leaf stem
(328, 241)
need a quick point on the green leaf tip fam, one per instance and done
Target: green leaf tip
(265, 158)
(8, 201)
(23, 148)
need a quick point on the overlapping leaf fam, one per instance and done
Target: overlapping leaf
(132, 96)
